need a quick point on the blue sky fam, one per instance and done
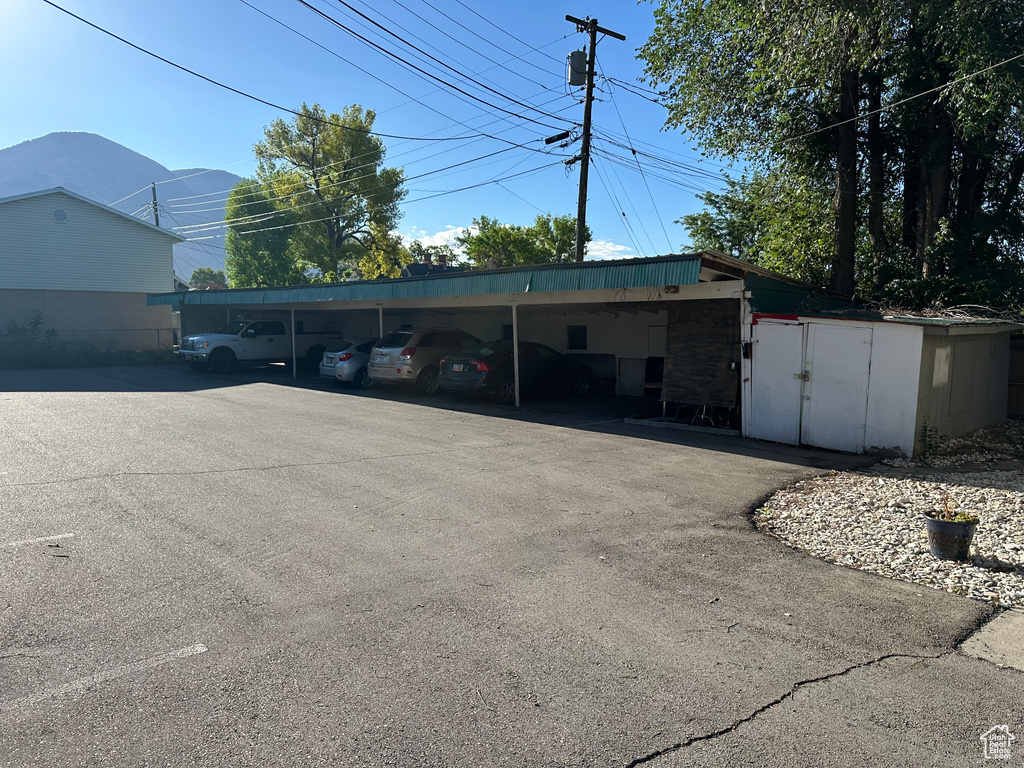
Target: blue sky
(65, 76)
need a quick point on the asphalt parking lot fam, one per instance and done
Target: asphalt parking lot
(246, 571)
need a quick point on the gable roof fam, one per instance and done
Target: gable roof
(84, 199)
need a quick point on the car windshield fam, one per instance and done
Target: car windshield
(234, 328)
(397, 339)
(339, 346)
(487, 348)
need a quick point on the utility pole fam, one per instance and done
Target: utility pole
(590, 27)
(156, 211)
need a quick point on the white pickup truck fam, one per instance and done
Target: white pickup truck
(251, 342)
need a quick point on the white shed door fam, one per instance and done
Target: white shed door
(778, 359)
(835, 406)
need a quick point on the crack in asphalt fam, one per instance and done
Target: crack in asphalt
(771, 704)
(224, 471)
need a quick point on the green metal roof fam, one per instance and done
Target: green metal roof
(681, 269)
(769, 293)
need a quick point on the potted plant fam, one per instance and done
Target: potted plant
(950, 531)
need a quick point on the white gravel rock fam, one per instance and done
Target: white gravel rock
(876, 524)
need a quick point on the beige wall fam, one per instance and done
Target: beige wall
(964, 381)
(109, 320)
(92, 248)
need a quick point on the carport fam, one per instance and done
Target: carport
(672, 328)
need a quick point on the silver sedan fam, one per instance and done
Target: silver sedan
(346, 361)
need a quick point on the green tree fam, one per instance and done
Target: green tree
(556, 237)
(385, 257)
(328, 171)
(491, 244)
(258, 240)
(206, 277)
(770, 221)
(924, 191)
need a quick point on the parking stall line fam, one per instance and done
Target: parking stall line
(84, 684)
(40, 540)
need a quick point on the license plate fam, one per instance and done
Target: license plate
(457, 366)
(382, 358)
(330, 361)
(188, 358)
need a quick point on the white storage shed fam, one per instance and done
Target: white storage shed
(874, 385)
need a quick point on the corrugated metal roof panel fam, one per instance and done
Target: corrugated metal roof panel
(631, 273)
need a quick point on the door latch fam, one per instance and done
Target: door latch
(805, 376)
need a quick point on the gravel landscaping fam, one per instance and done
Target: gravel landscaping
(873, 521)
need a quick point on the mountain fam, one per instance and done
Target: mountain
(106, 171)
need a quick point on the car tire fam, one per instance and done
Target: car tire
(427, 382)
(583, 384)
(506, 392)
(222, 361)
(362, 379)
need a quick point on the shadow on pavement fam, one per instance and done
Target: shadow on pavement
(598, 414)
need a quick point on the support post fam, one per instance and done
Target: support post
(591, 28)
(588, 107)
(515, 348)
(380, 319)
(295, 371)
(156, 210)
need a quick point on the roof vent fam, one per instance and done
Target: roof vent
(59, 215)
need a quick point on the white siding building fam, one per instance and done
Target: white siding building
(874, 385)
(86, 268)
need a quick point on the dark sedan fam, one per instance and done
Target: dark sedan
(487, 368)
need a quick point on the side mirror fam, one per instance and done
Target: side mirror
(248, 333)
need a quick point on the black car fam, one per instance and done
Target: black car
(487, 368)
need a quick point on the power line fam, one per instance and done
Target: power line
(339, 162)
(490, 42)
(506, 32)
(657, 213)
(675, 180)
(175, 220)
(516, 164)
(456, 40)
(668, 165)
(361, 69)
(532, 205)
(637, 86)
(198, 173)
(466, 137)
(618, 207)
(950, 84)
(342, 182)
(243, 93)
(133, 194)
(485, 183)
(241, 220)
(683, 163)
(613, 177)
(432, 76)
(300, 185)
(635, 93)
(435, 155)
(416, 200)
